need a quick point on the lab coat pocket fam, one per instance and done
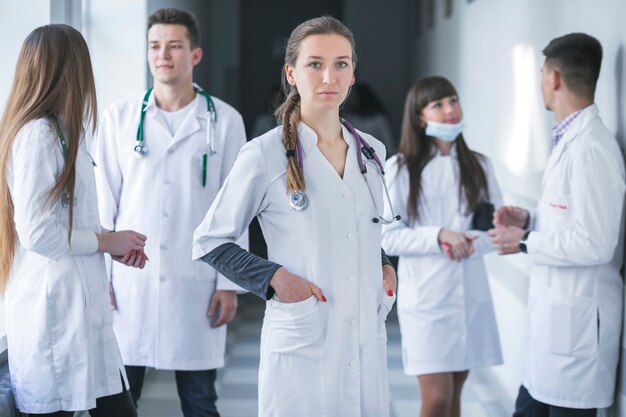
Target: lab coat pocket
(385, 305)
(295, 327)
(571, 324)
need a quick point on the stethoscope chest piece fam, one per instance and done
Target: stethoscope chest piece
(298, 200)
(65, 200)
(140, 149)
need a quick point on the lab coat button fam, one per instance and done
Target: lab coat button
(346, 196)
(351, 236)
(352, 279)
(352, 364)
(354, 322)
(163, 246)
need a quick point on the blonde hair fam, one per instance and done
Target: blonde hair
(288, 113)
(53, 76)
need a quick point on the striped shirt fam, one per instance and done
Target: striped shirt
(559, 130)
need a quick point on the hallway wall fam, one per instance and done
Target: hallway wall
(491, 49)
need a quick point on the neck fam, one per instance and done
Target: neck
(443, 146)
(569, 104)
(326, 125)
(171, 97)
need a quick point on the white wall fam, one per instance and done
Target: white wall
(116, 33)
(491, 50)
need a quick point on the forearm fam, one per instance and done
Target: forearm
(245, 269)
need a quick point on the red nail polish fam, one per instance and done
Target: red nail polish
(324, 299)
(390, 293)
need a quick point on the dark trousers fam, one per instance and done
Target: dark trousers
(116, 405)
(196, 390)
(527, 406)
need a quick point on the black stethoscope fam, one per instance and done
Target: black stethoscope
(298, 200)
(141, 150)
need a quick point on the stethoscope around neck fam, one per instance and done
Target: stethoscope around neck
(140, 147)
(298, 200)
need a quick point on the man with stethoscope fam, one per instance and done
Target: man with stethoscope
(575, 243)
(162, 159)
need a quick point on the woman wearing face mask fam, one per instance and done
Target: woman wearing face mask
(323, 343)
(436, 184)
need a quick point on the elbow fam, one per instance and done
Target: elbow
(594, 253)
(39, 240)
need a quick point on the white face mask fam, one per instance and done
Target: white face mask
(444, 131)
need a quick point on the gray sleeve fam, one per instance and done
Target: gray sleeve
(249, 271)
(384, 258)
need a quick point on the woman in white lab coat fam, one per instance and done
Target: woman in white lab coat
(63, 355)
(323, 343)
(437, 184)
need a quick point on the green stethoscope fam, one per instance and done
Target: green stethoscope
(65, 198)
(141, 150)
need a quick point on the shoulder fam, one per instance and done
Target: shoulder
(484, 161)
(123, 109)
(394, 168)
(224, 108)
(378, 146)
(35, 132)
(34, 140)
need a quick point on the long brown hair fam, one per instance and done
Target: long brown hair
(416, 149)
(53, 76)
(288, 113)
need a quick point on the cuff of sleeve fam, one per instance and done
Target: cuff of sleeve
(532, 242)
(83, 242)
(432, 239)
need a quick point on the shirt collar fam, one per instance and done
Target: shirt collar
(561, 128)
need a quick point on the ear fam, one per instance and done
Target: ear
(196, 56)
(289, 74)
(353, 80)
(554, 79)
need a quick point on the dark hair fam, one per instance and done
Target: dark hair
(173, 16)
(416, 149)
(578, 58)
(288, 113)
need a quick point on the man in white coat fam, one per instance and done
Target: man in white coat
(575, 242)
(161, 162)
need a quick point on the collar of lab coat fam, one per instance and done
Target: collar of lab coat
(190, 125)
(308, 138)
(452, 154)
(585, 117)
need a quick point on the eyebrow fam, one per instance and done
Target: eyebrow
(319, 57)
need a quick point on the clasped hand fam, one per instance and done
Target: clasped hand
(455, 245)
(509, 227)
(125, 246)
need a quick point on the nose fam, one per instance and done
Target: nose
(164, 53)
(328, 75)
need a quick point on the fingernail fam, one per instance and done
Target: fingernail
(390, 293)
(324, 299)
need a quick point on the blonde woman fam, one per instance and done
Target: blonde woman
(63, 355)
(323, 343)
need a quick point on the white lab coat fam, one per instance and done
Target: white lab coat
(161, 319)
(317, 359)
(575, 294)
(62, 349)
(445, 310)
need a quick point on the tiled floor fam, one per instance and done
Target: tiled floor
(237, 382)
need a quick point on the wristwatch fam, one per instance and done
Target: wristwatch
(522, 242)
